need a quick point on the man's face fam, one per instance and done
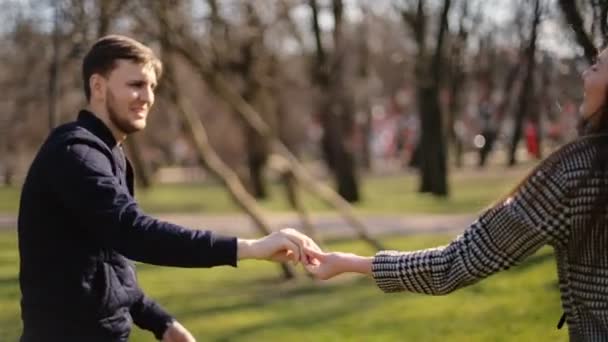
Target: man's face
(129, 95)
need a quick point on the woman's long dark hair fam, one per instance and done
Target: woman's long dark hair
(591, 130)
(593, 233)
(587, 243)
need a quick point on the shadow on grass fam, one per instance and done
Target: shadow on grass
(304, 319)
(259, 297)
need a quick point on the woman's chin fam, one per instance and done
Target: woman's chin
(584, 111)
(581, 110)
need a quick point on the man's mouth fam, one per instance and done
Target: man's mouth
(140, 111)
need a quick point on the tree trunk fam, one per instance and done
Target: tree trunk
(9, 165)
(527, 88)
(8, 176)
(256, 66)
(54, 71)
(364, 104)
(335, 109)
(457, 84)
(256, 160)
(339, 160)
(432, 153)
(509, 87)
(433, 170)
(452, 117)
(366, 153)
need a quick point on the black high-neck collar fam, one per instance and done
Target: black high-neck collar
(93, 124)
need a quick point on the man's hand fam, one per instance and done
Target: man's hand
(177, 333)
(327, 265)
(282, 246)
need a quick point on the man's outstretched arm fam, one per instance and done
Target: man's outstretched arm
(87, 186)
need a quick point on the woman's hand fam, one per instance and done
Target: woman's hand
(328, 265)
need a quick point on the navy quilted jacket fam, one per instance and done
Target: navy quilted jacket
(80, 227)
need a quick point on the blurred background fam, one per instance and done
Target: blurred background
(367, 124)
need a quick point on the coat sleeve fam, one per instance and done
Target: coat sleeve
(149, 315)
(85, 184)
(503, 236)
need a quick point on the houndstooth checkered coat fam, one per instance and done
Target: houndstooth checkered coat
(551, 207)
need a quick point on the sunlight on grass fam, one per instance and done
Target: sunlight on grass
(470, 191)
(393, 194)
(250, 303)
(9, 199)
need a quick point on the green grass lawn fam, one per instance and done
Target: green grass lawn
(251, 304)
(9, 199)
(471, 191)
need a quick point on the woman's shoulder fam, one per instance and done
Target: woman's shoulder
(578, 154)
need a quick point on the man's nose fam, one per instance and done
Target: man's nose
(146, 95)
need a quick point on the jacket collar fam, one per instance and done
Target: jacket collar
(94, 125)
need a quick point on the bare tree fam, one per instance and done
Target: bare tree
(335, 105)
(256, 64)
(527, 89)
(199, 135)
(575, 21)
(187, 47)
(107, 11)
(433, 156)
(364, 76)
(223, 89)
(457, 80)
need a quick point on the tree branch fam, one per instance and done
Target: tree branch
(575, 21)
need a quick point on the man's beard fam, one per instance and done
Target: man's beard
(123, 124)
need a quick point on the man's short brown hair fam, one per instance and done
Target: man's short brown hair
(101, 58)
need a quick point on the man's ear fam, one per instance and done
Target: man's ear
(97, 83)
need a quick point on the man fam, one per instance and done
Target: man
(79, 222)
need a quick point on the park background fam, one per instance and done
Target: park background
(366, 124)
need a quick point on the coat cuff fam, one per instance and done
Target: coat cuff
(159, 322)
(386, 271)
(225, 248)
(149, 315)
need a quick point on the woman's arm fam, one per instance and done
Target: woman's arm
(535, 215)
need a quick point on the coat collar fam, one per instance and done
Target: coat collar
(93, 124)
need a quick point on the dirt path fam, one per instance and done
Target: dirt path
(328, 225)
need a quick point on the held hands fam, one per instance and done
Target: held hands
(291, 245)
(282, 246)
(327, 265)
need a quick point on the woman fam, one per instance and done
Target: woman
(562, 203)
